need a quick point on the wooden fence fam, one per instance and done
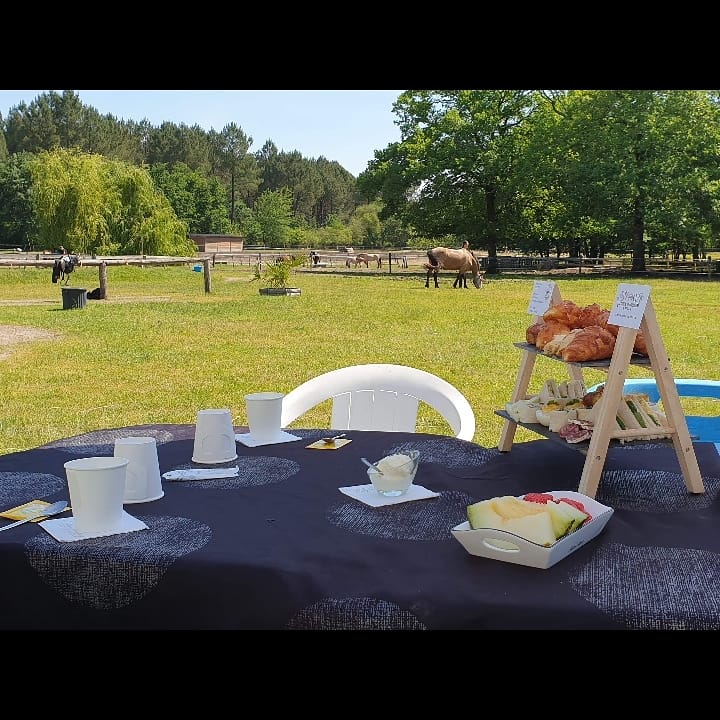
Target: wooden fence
(102, 264)
(391, 261)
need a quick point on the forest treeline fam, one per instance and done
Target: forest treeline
(587, 172)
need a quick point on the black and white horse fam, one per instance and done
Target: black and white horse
(63, 266)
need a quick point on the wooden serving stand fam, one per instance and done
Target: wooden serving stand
(605, 429)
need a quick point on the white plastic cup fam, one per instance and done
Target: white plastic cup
(143, 482)
(97, 488)
(214, 437)
(264, 413)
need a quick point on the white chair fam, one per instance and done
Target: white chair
(380, 397)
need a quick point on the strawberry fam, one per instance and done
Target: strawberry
(574, 503)
(541, 498)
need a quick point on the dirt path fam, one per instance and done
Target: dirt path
(12, 335)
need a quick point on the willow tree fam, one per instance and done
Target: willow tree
(72, 199)
(88, 203)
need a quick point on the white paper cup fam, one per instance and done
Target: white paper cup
(143, 482)
(214, 437)
(264, 413)
(97, 488)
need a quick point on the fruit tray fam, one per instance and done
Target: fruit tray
(507, 547)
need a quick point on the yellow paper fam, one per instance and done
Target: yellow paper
(334, 445)
(22, 511)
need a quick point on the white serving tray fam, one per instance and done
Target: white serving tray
(507, 547)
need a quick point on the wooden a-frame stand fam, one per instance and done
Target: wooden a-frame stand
(605, 428)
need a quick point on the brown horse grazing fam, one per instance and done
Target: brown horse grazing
(462, 261)
(367, 258)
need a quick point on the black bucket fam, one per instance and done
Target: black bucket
(74, 298)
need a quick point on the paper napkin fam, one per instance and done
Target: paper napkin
(202, 473)
(63, 529)
(370, 496)
(250, 441)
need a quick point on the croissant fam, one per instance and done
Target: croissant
(532, 331)
(592, 315)
(549, 331)
(590, 343)
(559, 342)
(640, 346)
(566, 312)
(614, 329)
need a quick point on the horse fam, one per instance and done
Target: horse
(367, 258)
(63, 266)
(462, 261)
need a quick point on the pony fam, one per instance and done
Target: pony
(462, 261)
(367, 258)
(63, 266)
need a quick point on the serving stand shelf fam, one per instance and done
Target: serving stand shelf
(605, 430)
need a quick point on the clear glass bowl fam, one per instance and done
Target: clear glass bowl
(397, 476)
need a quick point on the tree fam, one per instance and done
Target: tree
(88, 203)
(231, 161)
(453, 168)
(196, 200)
(17, 217)
(366, 226)
(273, 218)
(3, 143)
(624, 168)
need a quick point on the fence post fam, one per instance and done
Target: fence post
(206, 273)
(390, 263)
(102, 275)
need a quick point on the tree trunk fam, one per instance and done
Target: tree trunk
(492, 267)
(638, 238)
(232, 197)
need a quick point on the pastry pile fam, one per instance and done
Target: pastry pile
(578, 334)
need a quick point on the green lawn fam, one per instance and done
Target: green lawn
(159, 349)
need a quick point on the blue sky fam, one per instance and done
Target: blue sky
(342, 125)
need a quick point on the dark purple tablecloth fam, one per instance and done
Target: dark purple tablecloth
(279, 547)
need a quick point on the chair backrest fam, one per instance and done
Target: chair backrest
(685, 387)
(703, 428)
(380, 396)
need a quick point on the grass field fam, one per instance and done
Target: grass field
(160, 348)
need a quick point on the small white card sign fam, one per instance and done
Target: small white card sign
(541, 297)
(629, 306)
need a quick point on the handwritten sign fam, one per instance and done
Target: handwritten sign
(629, 306)
(542, 295)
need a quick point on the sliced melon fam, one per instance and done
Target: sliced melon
(525, 519)
(577, 515)
(562, 518)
